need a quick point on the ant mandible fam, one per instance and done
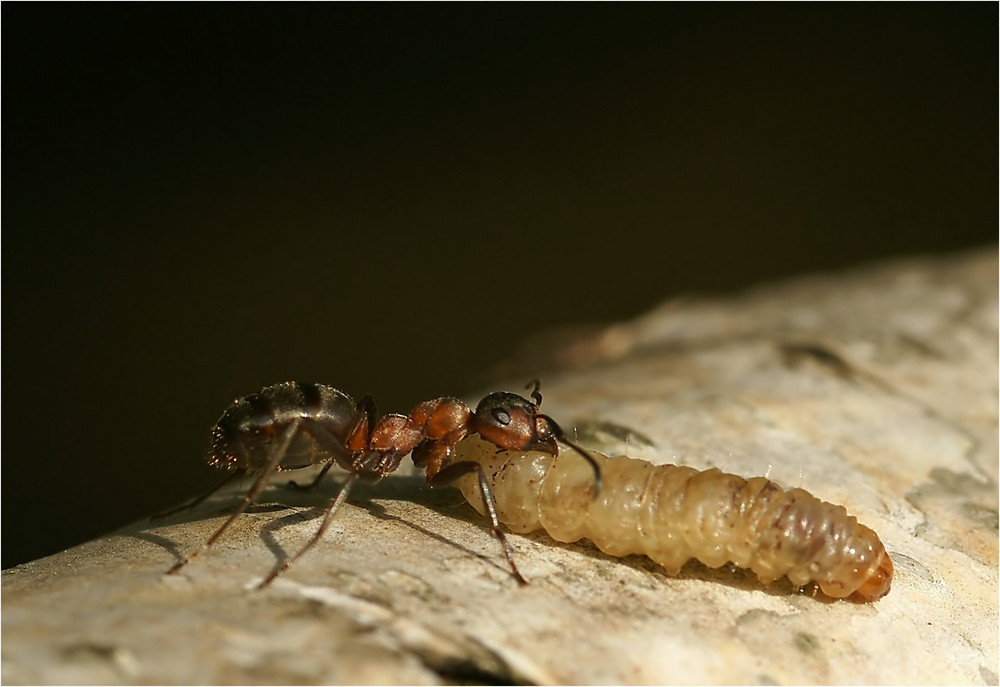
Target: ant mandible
(296, 425)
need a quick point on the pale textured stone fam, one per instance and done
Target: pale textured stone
(876, 389)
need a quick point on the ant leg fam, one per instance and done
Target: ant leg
(329, 443)
(367, 406)
(456, 470)
(367, 412)
(292, 484)
(359, 436)
(598, 479)
(365, 415)
(276, 456)
(348, 483)
(184, 506)
(556, 431)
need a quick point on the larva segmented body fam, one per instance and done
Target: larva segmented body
(674, 513)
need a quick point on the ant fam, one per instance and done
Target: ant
(296, 425)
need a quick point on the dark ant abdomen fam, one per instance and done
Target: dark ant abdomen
(244, 437)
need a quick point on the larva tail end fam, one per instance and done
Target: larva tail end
(877, 586)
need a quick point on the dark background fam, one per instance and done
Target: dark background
(203, 199)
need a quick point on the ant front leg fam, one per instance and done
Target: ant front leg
(456, 470)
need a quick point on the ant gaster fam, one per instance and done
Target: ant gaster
(296, 425)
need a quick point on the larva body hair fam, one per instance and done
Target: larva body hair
(674, 513)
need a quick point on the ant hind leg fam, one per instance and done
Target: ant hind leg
(292, 484)
(272, 464)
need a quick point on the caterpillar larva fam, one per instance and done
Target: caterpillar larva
(674, 513)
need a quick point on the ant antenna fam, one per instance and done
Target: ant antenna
(561, 436)
(536, 395)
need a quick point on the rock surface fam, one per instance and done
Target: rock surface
(875, 389)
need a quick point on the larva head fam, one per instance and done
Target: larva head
(514, 424)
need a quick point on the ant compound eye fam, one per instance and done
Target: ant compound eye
(504, 420)
(501, 416)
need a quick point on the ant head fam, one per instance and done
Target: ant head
(513, 423)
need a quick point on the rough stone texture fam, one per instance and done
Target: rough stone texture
(876, 389)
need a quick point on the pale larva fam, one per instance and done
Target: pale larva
(674, 513)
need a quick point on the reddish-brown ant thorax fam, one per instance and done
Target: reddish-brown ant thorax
(508, 421)
(450, 415)
(441, 417)
(395, 433)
